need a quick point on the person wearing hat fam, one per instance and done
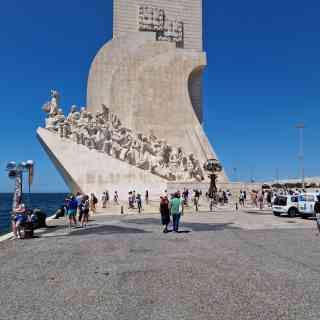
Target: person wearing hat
(165, 212)
(21, 219)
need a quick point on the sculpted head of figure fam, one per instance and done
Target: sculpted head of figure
(54, 94)
(73, 109)
(89, 115)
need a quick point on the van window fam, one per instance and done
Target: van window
(294, 199)
(307, 198)
(280, 201)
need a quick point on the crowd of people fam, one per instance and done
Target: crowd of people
(78, 207)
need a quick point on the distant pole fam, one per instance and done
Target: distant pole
(235, 174)
(300, 128)
(252, 178)
(277, 176)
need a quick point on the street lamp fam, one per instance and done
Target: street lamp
(213, 166)
(300, 128)
(15, 171)
(235, 175)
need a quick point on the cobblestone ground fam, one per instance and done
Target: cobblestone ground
(223, 265)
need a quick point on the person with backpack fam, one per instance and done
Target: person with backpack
(84, 207)
(72, 206)
(176, 206)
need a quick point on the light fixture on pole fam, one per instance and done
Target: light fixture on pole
(235, 174)
(301, 128)
(213, 166)
(15, 171)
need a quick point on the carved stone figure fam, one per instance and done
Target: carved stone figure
(104, 132)
(73, 116)
(53, 105)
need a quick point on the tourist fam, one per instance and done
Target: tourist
(176, 207)
(211, 198)
(220, 197)
(107, 197)
(72, 206)
(93, 203)
(245, 197)
(260, 199)
(79, 197)
(185, 196)
(104, 200)
(196, 199)
(241, 199)
(134, 197)
(317, 212)
(269, 198)
(254, 198)
(165, 213)
(225, 198)
(85, 206)
(116, 197)
(21, 219)
(130, 200)
(146, 197)
(139, 202)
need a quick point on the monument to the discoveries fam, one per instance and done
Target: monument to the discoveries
(141, 128)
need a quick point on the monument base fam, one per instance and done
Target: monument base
(90, 171)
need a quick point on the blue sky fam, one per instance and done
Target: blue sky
(263, 77)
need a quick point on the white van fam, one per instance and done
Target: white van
(287, 204)
(306, 204)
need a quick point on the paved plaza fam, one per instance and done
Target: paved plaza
(223, 265)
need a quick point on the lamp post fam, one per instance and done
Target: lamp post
(277, 176)
(235, 175)
(301, 128)
(15, 171)
(213, 166)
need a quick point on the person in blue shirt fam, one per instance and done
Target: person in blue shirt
(72, 206)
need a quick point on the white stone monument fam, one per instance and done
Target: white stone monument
(142, 127)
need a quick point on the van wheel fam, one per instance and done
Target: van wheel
(277, 214)
(293, 212)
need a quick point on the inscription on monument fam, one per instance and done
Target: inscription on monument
(153, 19)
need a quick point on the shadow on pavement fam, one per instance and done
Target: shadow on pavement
(258, 212)
(194, 226)
(106, 230)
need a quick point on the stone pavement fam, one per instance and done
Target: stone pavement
(223, 265)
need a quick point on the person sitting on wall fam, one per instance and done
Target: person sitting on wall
(20, 220)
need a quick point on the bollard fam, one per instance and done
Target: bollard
(122, 210)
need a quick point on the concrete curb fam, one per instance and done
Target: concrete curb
(6, 237)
